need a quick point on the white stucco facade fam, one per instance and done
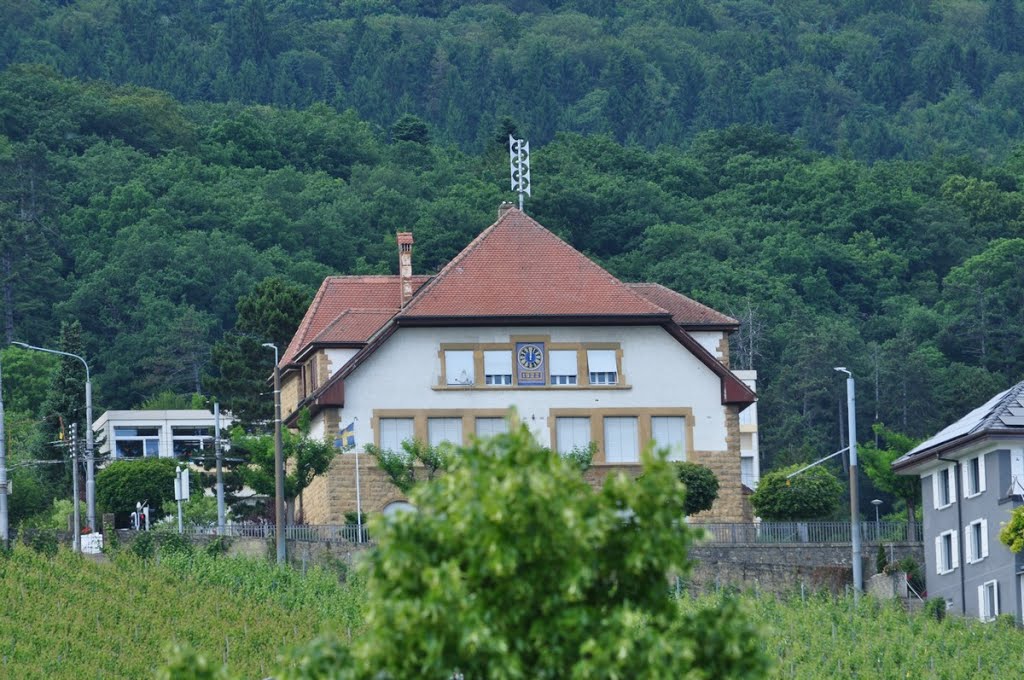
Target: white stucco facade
(405, 374)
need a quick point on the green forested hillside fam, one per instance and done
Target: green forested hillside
(867, 78)
(146, 213)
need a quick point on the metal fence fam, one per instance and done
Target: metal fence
(304, 532)
(809, 532)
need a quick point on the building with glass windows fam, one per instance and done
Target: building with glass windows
(185, 434)
(972, 478)
(517, 319)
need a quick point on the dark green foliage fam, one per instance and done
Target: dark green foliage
(935, 607)
(877, 464)
(218, 546)
(701, 486)
(881, 559)
(144, 545)
(174, 543)
(600, 574)
(811, 495)
(305, 458)
(271, 312)
(123, 483)
(912, 569)
(414, 463)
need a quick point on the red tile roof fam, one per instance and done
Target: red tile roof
(517, 268)
(354, 325)
(339, 294)
(686, 312)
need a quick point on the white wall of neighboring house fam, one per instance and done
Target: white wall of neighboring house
(405, 374)
(750, 456)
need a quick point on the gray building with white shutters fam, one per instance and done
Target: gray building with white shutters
(972, 478)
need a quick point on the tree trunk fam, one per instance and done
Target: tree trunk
(5, 271)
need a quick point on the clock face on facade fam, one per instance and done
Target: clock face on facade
(530, 356)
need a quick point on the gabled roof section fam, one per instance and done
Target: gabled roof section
(341, 294)
(685, 311)
(517, 268)
(1003, 414)
(353, 326)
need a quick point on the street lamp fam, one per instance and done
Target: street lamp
(278, 457)
(851, 411)
(4, 535)
(876, 502)
(90, 461)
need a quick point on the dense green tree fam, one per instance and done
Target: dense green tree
(123, 483)
(271, 312)
(305, 458)
(811, 495)
(701, 486)
(62, 406)
(877, 461)
(492, 572)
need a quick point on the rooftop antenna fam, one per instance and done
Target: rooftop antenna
(519, 165)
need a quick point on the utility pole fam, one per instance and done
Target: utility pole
(76, 540)
(219, 454)
(4, 531)
(851, 419)
(278, 458)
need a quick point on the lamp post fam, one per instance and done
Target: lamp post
(4, 534)
(278, 457)
(876, 502)
(90, 460)
(851, 411)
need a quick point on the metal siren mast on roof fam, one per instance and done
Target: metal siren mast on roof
(519, 165)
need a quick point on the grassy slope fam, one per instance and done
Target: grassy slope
(70, 617)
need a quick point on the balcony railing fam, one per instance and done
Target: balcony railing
(808, 532)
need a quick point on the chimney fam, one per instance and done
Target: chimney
(504, 208)
(405, 241)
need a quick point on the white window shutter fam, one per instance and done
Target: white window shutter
(498, 362)
(952, 484)
(601, 361)
(995, 598)
(938, 556)
(970, 556)
(563, 362)
(984, 539)
(982, 603)
(956, 549)
(965, 472)
(981, 473)
(935, 490)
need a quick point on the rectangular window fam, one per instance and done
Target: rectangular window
(988, 601)
(974, 476)
(602, 367)
(747, 472)
(136, 442)
(458, 367)
(572, 433)
(943, 488)
(947, 556)
(314, 378)
(977, 540)
(498, 367)
(563, 367)
(394, 431)
(621, 440)
(669, 432)
(488, 427)
(190, 442)
(444, 430)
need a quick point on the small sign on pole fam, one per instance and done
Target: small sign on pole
(181, 494)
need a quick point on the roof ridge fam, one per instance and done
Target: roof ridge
(441, 275)
(453, 264)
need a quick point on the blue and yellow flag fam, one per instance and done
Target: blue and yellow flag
(347, 436)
